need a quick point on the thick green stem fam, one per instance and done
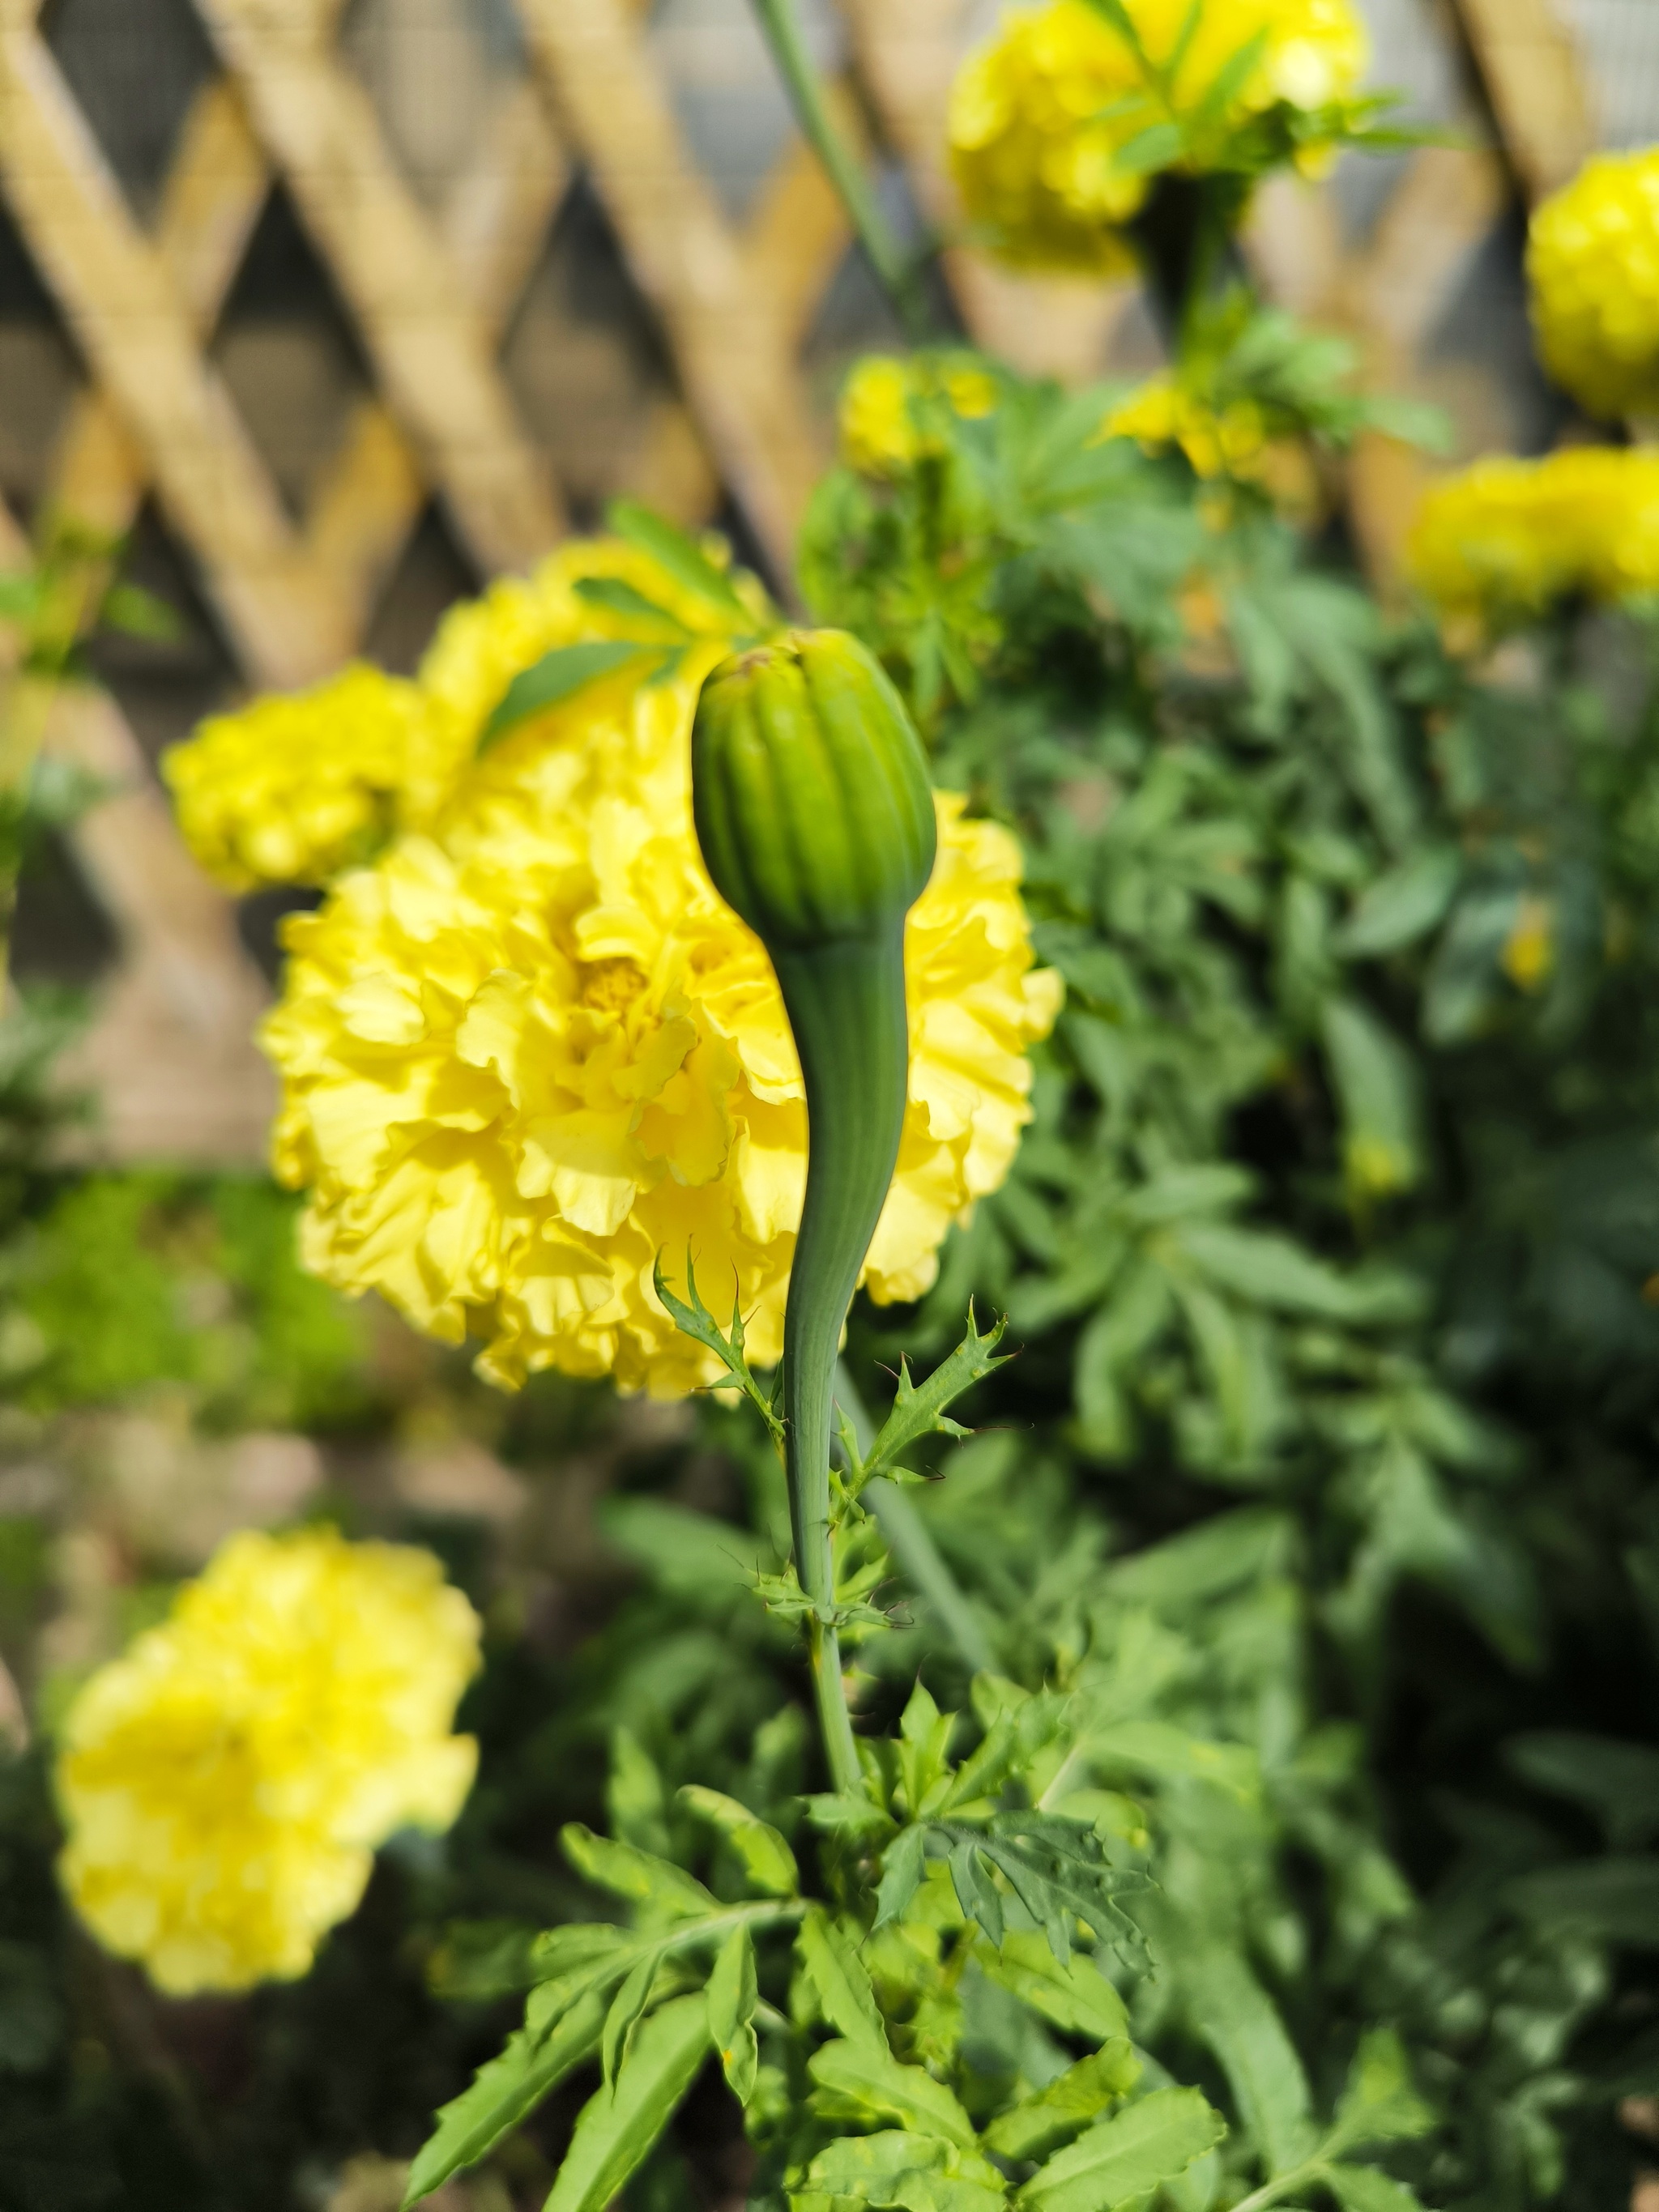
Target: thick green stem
(895, 270)
(845, 999)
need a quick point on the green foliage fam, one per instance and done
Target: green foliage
(133, 1280)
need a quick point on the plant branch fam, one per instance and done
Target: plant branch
(894, 270)
(913, 1546)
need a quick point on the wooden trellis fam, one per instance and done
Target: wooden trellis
(430, 288)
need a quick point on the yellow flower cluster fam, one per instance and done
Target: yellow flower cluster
(1041, 116)
(295, 788)
(530, 1051)
(1229, 440)
(518, 1069)
(1506, 538)
(225, 1782)
(1593, 260)
(884, 405)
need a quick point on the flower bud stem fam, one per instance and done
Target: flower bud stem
(845, 999)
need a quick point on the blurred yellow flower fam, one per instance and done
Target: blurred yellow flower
(1593, 260)
(520, 1065)
(1528, 955)
(225, 1782)
(882, 396)
(481, 644)
(1503, 539)
(1042, 115)
(294, 787)
(1230, 440)
(1374, 1167)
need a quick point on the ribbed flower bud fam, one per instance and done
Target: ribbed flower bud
(811, 793)
(817, 824)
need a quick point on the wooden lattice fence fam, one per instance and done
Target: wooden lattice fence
(460, 181)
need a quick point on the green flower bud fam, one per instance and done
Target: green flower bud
(815, 821)
(811, 793)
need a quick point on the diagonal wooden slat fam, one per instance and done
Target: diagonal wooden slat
(1533, 77)
(171, 1058)
(208, 207)
(137, 338)
(432, 353)
(739, 373)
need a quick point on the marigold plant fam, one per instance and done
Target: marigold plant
(1593, 262)
(225, 1782)
(1059, 122)
(884, 405)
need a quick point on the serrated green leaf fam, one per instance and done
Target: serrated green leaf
(1057, 1869)
(1364, 2189)
(642, 1876)
(1152, 2141)
(908, 2172)
(634, 1798)
(627, 2008)
(1231, 2010)
(732, 1993)
(767, 1858)
(923, 1751)
(581, 1948)
(857, 2081)
(1074, 1997)
(692, 1318)
(557, 676)
(902, 1866)
(841, 1981)
(503, 2093)
(1067, 2106)
(1013, 1740)
(919, 1409)
(1379, 2103)
(618, 2126)
(832, 1810)
(671, 549)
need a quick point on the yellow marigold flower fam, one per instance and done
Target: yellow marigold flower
(1593, 259)
(521, 1066)
(1041, 114)
(225, 1782)
(1505, 538)
(880, 434)
(1229, 440)
(294, 787)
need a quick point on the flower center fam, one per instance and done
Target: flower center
(612, 985)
